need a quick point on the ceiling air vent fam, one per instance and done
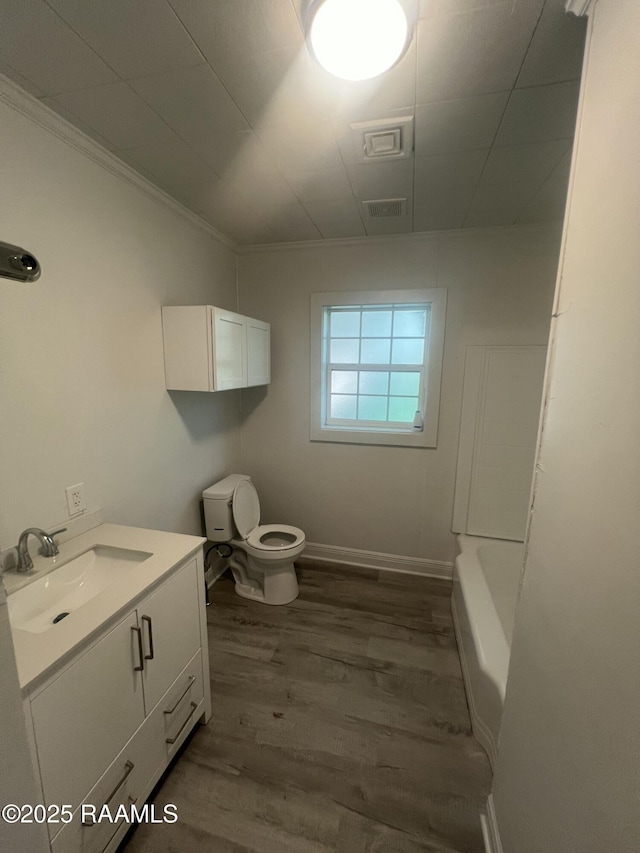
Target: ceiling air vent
(385, 208)
(383, 143)
(383, 139)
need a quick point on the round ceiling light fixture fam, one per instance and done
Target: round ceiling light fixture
(357, 39)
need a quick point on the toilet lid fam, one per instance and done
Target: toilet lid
(246, 508)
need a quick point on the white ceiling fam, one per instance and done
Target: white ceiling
(219, 103)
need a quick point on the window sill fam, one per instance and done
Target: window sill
(394, 438)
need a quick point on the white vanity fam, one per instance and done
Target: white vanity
(112, 687)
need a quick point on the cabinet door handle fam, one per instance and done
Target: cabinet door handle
(128, 767)
(182, 727)
(147, 619)
(192, 678)
(138, 631)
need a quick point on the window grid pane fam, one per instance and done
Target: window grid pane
(345, 324)
(376, 324)
(407, 351)
(344, 381)
(375, 350)
(345, 350)
(373, 382)
(373, 408)
(402, 409)
(404, 384)
(409, 323)
(344, 406)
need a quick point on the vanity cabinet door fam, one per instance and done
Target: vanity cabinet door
(87, 714)
(170, 622)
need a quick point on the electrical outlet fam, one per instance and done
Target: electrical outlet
(75, 499)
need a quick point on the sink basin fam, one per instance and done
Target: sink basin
(43, 604)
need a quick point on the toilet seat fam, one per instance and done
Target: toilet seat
(293, 536)
(246, 516)
(245, 505)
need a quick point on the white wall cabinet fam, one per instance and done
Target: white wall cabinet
(107, 725)
(210, 349)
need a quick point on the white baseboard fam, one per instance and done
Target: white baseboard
(490, 832)
(376, 560)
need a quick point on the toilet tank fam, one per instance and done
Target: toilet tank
(218, 515)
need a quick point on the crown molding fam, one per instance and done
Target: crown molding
(39, 113)
(411, 237)
(579, 7)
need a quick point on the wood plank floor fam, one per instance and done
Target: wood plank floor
(339, 726)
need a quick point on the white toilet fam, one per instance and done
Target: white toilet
(263, 555)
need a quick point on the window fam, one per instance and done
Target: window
(376, 365)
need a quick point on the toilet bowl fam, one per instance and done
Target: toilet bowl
(262, 560)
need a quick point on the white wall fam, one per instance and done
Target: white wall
(82, 384)
(384, 499)
(568, 771)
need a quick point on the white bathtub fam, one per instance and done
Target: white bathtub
(486, 578)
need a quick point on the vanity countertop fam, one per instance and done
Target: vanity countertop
(37, 653)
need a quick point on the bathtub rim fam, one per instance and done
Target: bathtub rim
(490, 648)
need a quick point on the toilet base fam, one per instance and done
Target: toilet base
(256, 594)
(267, 585)
(252, 592)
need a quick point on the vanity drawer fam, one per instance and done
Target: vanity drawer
(125, 782)
(180, 707)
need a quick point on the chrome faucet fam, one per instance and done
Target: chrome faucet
(49, 547)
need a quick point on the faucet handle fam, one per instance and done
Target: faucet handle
(53, 550)
(55, 532)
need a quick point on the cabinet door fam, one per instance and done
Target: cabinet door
(188, 350)
(84, 718)
(230, 346)
(258, 352)
(170, 622)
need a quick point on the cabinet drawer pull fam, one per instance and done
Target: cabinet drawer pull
(147, 619)
(182, 727)
(138, 631)
(192, 678)
(128, 767)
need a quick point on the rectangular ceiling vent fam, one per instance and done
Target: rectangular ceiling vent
(383, 143)
(383, 139)
(385, 208)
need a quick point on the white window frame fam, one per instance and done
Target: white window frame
(372, 433)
